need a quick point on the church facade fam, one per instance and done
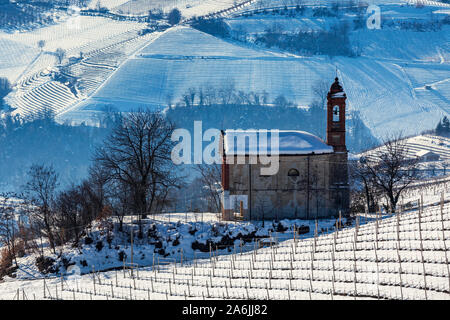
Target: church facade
(312, 177)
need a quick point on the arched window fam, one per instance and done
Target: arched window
(336, 115)
(293, 175)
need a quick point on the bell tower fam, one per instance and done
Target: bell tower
(336, 117)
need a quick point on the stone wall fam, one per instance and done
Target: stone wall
(323, 179)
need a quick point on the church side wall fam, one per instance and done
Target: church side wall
(281, 196)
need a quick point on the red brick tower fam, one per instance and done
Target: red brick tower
(336, 117)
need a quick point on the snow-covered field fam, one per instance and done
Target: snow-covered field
(397, 257)
(188, 8)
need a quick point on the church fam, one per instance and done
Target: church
(311, 177)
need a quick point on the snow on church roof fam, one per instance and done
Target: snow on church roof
(252, 142)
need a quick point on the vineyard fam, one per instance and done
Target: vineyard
(402, 256)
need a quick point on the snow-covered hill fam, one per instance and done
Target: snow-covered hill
(400, 82)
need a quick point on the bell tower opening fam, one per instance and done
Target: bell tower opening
(336, 117)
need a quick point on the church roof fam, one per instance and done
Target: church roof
(290, 142)
(336, 90)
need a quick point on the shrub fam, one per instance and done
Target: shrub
(122, 256)
(99, 246)
(174, 16)
(215, 27)
(5, 262)
(45, 265)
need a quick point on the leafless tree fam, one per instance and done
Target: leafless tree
(210, 176)
(60, 55)
(320, 89)
(8, 226)
(391, 169)
(41, 44)
(69, 210)
(362, 182)
(40, 190)
(137, 155)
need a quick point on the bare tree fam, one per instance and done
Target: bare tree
(391, 169)
(362, 182)
(137, 155)
(40, 190)
(5, 89)
(320, 89)
(41, 44)
(210, 176)
(60, 55)
(68, 214)
(8, 226)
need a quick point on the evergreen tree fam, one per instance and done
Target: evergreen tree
(439, 129)
(446, 125)
(443, 127)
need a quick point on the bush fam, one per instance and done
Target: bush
(122, 256)
(174, 16)
(6, 260)
(215, 27)
(99, 246)
(45, 265)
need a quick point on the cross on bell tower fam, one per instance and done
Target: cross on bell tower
(336, 117)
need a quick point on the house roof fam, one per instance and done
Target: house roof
(290, 142)
(422, 153)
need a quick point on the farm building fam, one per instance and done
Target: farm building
(426, 155)
(311, 176)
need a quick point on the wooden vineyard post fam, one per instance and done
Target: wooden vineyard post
(210, 253)
(93, 278)
(312, 261)
(378, 272)
(421, 247)
(333, 276)
(398, 229)
(400, 271)
(131, 257)
(315, 235)
(289, 292)
(310, 287)
(376, 229)
(354, 269)
(443, 239)
(246, 290)
(424, 272)
(241, 209)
